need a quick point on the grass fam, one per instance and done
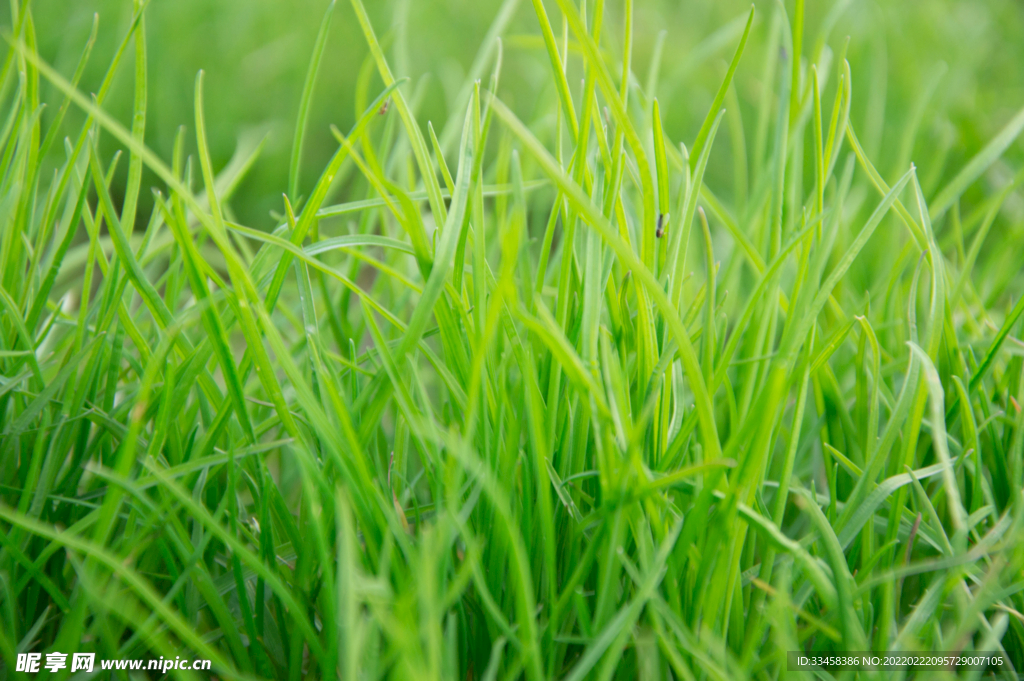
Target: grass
(544, 393)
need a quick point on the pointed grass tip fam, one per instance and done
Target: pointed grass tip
(662, 224)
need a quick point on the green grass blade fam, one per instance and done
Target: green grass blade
(302, 119)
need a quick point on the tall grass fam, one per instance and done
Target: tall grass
(527, 396)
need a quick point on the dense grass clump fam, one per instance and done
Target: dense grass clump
(542, 394)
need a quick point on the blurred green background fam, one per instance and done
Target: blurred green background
(937, 61)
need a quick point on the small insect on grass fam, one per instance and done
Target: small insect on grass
(662, 226)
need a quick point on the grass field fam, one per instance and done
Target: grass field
(680, 337)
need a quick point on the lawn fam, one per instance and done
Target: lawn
(550, 339)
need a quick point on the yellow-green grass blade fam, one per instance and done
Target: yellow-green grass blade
(716, 105)
(302, 119)
(419, 146)
(445, 253)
